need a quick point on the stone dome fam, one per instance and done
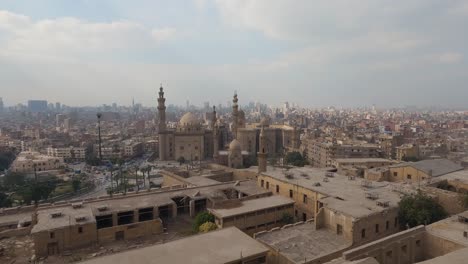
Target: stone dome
(189, 119)
(235, 145)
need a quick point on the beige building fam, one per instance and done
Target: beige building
(67, 153)
(224, 246)
(57, 228)
(359, 210)
(193, 141)
(322, 154)
(442, 242)
(28, 161)
(254, 215)
(131, 148)
(421, 171)
(407, 151)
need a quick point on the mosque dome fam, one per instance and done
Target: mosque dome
(189, 119)
(241, 114)
(235, 145)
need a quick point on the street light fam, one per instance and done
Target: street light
(99, 115)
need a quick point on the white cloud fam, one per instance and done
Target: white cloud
(449, 57)
(163, 34)
(71, 36)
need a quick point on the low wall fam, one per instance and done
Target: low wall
(435, 246)
(450, 201)
(403, 247)
(131, 231)
(24, 231)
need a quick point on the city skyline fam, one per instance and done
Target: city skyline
(315, 54)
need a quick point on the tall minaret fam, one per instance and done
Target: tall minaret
(162, 125)
(235, 115)
(215, 135)
(262, 153)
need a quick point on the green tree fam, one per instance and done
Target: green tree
(7, 156)
(296, 159)
(287, 219)
(14, 180)
(419, 209)
(5, 201)
(202, 218)
(207, 227)
(76, 184)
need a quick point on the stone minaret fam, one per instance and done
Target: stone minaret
(262, 153)
(235, 116)
(162, 125)
(215, 135)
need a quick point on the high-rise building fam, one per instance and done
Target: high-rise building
(1, 104)
(37, 105)
(58, 106)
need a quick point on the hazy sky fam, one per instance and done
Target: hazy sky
(314, 53)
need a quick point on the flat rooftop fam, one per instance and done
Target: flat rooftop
(68, 216)
(340, 193)
(221, 246)
(456, 257)
(461, 176)
(303, 241)
(131, 202)
(450, 228)
(253, 205)
(364, 160)
(435, 167)
(15, 218)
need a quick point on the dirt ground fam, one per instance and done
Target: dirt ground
(21, 249)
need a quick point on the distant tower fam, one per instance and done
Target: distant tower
(1, 104)
(215, 135)
(235, 115)
(262, 154)
(162, 125)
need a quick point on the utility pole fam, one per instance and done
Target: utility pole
(136, 179)
(99, 115)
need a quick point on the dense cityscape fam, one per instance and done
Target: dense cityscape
(81, 182)
(233, 132)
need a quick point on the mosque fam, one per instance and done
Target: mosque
(248, 143)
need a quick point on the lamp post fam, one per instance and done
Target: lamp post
(99, 115)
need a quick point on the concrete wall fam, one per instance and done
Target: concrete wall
(257, 221)
(402, 248)
(436, 246)
(307, 206)
(450, 201)
(15, 232)
(131, 231)
(66, 238)
(400, 174)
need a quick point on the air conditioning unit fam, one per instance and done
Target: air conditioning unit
(383, 203)
(465, 234)
(326, 179)
(103, 208)
(56, 214)
(80, 218)
(77, 205)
